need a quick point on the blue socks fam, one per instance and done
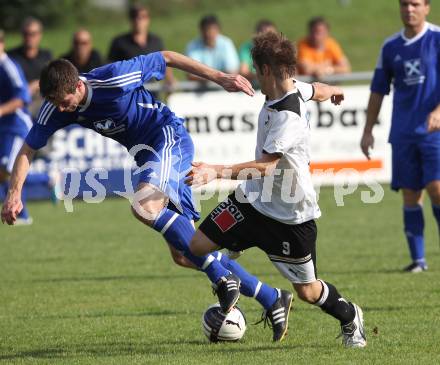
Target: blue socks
(250, 285)
(178, 231)
(413, 226)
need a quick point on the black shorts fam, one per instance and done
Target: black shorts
(291, 247)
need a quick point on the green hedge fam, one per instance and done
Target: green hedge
(50, 12)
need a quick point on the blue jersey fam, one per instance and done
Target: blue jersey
(13, 85)
(118, 106)
(413, 66)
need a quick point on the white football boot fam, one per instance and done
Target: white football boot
(353, 334)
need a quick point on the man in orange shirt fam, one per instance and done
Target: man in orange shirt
(319, 54)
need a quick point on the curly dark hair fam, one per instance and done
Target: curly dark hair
(276, 51)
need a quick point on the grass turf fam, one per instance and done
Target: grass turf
(95, 286)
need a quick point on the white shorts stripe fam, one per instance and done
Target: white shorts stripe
(162, 158)
(166, 161)
(296, 273)
(167, 157)
(170, 155)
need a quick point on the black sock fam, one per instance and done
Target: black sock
(332, 303)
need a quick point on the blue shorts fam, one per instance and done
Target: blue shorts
(415, 164)
(164, 163)
(10, 144)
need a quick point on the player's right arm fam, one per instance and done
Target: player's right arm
(373, 109)
(380, 86)
(13, 205)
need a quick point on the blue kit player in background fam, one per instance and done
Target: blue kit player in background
(15, 123)
(112, 101)
(410, 60)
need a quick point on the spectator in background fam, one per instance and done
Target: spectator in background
(82, 55)
(29, 55)
(246, 64)
(139, 41)
(320, 55)
(212, 48)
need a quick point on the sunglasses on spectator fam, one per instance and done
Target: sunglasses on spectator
(31, 33)
(80, 42)
(140, 16)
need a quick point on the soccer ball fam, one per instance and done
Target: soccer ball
(218, 326)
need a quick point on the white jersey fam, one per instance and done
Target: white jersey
(288, 195)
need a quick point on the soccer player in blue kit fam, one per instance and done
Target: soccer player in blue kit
(410, 60)
(15, 123)
(113, 101)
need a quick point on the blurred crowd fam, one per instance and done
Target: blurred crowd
(319, 54)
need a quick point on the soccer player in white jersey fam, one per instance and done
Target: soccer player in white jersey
(112, 101)
(410, 60)
(275, 207)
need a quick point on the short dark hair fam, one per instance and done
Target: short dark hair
(316, 21)
(208, 20)
(263, 23)
(2, 35)
(135, 9)
(276, 51)
(57, 79)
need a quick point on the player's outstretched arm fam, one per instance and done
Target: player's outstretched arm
(228, 81)
(202, 173)
(12, 205)
(324, 92)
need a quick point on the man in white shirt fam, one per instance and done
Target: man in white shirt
(275, 207)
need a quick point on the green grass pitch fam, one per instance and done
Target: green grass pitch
(96, 287)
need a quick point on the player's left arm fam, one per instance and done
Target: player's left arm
(228, 81)
(323, 92)
(202, 173)
(434, 120)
